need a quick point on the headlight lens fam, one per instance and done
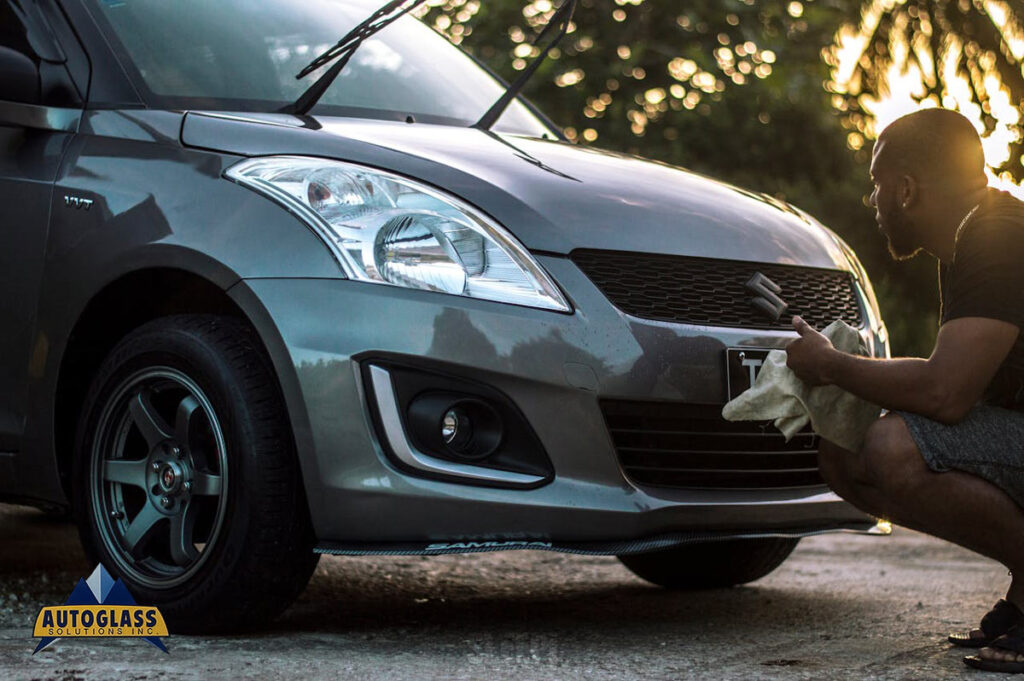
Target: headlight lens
(387, 229)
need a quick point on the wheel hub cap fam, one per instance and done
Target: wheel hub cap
(171, 477)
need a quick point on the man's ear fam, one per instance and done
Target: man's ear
(908, 192)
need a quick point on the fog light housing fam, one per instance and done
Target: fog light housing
(433, 423)
(468, 428)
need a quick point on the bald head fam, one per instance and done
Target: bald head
(928, 169)
(935, 146)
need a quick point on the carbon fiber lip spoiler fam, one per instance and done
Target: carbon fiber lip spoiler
(587, 548)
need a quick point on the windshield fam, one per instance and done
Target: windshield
(242, 55)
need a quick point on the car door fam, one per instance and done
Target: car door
(37, 120)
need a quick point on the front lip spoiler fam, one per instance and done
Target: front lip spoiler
(587, 548)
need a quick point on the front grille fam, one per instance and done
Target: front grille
(664, 444)
(711, 291)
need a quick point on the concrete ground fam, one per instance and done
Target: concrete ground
(842, 607)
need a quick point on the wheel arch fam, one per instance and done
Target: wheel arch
(127, 302)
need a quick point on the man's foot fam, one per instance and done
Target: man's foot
(995, 623)
(975, 638)
(1006, 654)
(1000, 655)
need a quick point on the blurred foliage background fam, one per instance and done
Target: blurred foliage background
(779, 96)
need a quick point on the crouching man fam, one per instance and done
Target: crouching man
(947, 458)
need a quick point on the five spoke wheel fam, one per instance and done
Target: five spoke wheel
(186, 479)
(160, 487)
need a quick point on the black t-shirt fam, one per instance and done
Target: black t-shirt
(986, 279)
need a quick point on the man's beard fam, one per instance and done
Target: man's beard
(900, 233)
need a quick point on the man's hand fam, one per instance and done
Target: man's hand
(808, 355)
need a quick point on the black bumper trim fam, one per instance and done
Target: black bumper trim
(588, 548)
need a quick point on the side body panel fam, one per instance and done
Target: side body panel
(35, 129)
(29, 160)
(154, 205)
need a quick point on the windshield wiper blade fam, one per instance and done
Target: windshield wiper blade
(343, 50)
(560, 20)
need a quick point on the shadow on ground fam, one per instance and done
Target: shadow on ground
(842, 606)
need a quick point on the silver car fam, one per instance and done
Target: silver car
(236, 334)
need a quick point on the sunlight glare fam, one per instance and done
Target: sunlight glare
(912, 70)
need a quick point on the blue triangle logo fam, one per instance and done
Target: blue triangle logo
(100, 588)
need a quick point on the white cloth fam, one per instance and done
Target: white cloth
(777, 393)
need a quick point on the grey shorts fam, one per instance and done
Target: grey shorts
(988, 442)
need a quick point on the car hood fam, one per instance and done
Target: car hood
(554, 196)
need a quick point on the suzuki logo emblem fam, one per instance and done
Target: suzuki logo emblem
(766, 298)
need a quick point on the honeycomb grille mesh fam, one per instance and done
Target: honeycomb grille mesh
(711, 291)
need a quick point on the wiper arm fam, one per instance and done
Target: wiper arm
(560, 20)
(342, 51)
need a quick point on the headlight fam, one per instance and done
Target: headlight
(387, 229)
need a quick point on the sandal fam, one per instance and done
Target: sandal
(1013, 641)
(994, 624)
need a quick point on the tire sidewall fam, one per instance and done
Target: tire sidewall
(151, 346)
(712, 564)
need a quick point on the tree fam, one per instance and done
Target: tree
(958, 54)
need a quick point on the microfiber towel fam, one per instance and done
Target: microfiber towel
(777, 393)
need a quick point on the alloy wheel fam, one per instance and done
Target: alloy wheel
(159, 477)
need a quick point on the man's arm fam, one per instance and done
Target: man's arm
(967, 354)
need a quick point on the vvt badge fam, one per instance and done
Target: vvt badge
(99, 607)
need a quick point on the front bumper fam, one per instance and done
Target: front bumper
(554, 367)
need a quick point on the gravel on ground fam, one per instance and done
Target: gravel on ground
(842, 607)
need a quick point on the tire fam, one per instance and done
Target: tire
(711, 565)
(184, 436)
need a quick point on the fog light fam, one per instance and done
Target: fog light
(457, 429)
(450, 426)
(457, 426)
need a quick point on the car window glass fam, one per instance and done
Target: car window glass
(12, 31)
(234, 53)
(23, 26)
